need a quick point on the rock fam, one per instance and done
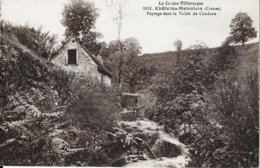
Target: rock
(143, 157)
(120, 162)
(135, 159)
(165, 149)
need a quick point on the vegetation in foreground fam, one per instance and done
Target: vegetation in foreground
(211, 111)
(48, 115)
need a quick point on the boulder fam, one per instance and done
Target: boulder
(165, 149)
(120, 162)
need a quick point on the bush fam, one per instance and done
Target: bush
(91, 104)
(179, 91)
(41, 43)
(218, 118)
(224, 61)
(42, 106)
(26, 125)
(233, 111)
(92, 112)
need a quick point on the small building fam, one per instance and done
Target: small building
(73, 56)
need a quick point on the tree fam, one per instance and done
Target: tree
(79, 18)
(241, 28)
(122, 54)
(178, 44)
(103, 51)
(119, 7)
(138, 75)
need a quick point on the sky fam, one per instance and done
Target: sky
(154, 33)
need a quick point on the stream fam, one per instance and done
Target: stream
(147, 127)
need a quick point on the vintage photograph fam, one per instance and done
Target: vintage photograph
(129, 83)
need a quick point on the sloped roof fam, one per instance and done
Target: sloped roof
(101, 67)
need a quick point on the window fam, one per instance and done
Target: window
(72, 57)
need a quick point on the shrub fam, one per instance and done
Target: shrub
(41, 43)
(92, 112)
(31, 120)
(233, 111)
(91, 104)
(180, 90)
(217, 119)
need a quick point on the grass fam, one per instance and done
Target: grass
(247, 58)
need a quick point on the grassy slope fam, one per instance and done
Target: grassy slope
(247, 58)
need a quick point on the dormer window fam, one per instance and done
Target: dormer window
(72, 57)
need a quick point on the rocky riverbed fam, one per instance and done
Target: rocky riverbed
(151, 146)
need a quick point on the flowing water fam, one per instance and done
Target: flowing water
(150, 127)
(177, 162)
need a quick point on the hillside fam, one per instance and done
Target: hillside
(215, 93)
(247, 58)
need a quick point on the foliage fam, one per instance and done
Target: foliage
(26, 133)
(121, 54)
(79, 18)
(49, 116)
(42, 44)
(30, 109)
(224, 61)
(233, 141)
(179, 93)
(217, 119)
(92, 105)
(228, 41)
(241, 28)
(137, 75)
(103, 50)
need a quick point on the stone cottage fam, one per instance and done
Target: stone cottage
(73, 56)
